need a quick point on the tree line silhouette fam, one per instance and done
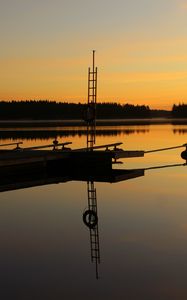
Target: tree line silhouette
(179, 111)
(51, 110)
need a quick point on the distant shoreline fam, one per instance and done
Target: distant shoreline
(81, 123)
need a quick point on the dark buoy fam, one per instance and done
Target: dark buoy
(184, 154)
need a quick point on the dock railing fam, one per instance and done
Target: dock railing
(106, 147)
(12, 144)
(54, 145)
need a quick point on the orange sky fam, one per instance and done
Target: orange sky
(141, 50)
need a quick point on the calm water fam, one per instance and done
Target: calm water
(45, 246)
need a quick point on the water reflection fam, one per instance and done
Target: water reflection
(90, 219)
(21, 179)
(180, 131)
(45, 246)
(26, 177)
(47, 133)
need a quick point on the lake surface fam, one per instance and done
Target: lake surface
(45, 250)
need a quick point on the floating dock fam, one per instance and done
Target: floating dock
(36, 166)
(60, 153)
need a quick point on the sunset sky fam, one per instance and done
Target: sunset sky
(141, 50)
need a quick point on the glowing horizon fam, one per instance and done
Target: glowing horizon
(140, 51)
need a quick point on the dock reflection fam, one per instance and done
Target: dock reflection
(24, 178)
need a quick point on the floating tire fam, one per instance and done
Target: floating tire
(90, 218)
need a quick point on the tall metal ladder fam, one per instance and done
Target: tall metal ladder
(91, 108)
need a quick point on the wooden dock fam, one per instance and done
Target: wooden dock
(55, 163)
(60, 154)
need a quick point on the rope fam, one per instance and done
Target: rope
(166, 166)
(163, 149)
